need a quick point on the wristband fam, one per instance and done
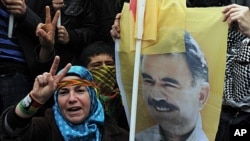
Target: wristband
(29, 105)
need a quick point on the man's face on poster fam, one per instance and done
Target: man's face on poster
(168, 91)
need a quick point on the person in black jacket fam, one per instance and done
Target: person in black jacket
(106, 11)
(20, 56)
(77, 28)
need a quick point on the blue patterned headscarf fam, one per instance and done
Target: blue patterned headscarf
(89, 129)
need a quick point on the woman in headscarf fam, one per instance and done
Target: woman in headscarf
(77, 114)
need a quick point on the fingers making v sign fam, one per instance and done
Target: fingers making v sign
(46, 83)
(46, 33)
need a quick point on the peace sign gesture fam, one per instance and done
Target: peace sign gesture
(45, 84)
(46, 33)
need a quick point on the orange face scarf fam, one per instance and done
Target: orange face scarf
(73, 82)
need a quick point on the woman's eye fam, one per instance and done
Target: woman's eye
(62, 92)
(80, 90)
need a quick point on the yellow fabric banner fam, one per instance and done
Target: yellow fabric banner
(166, 23)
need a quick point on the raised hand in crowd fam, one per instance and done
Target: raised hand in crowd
(45, 85)
(115, 31)
(238, 15)
(16, 7)
(46, 33)
(63, 35)
(57, 4)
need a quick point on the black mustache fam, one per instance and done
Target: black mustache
(161, 104)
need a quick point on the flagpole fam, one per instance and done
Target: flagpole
(59, 20)
(140, 19)
(135, 90)
(10, 26)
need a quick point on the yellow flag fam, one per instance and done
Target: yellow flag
(165, 22)
(158, 25)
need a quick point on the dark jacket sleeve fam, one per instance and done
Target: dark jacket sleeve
(31, 52)
(106, 11)
(25, 32)
(208, 3)
(243, 2)
(112, 132)
(12, 126)
(28, 23)
(79, 18)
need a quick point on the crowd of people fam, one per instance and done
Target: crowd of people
(39, 36)
(58, 78)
